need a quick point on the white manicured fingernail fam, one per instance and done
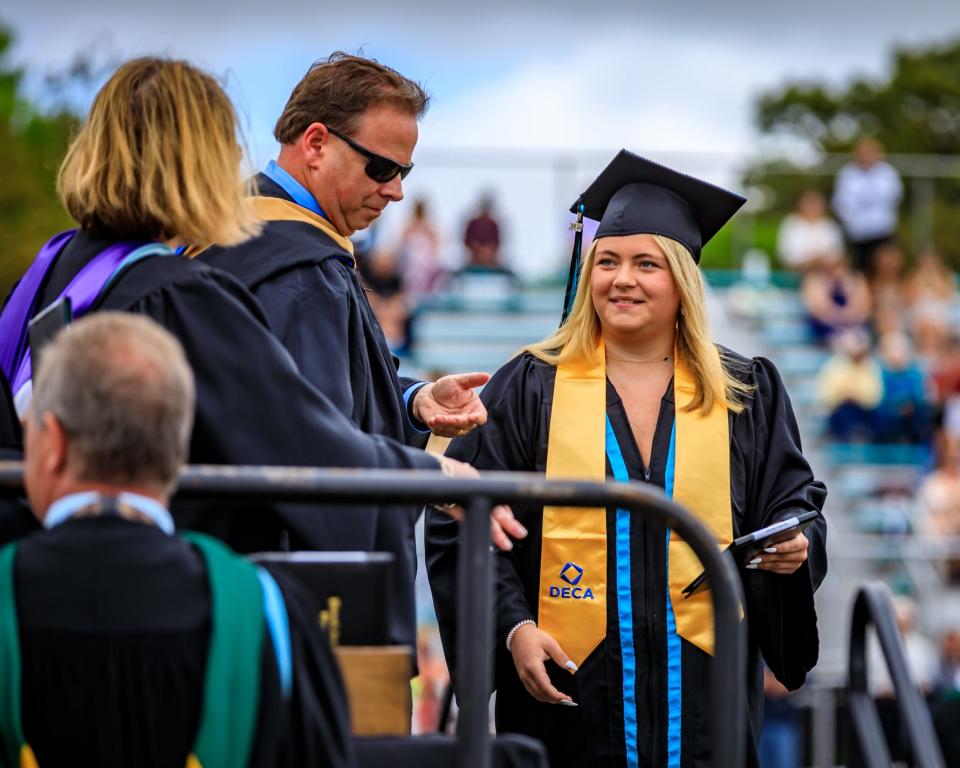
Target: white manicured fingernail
(752, 567)
(771, 550)
(756, 561)
(571, 666)
(568, 703)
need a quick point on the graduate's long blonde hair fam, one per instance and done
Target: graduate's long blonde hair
(159, 157)
(712, 376)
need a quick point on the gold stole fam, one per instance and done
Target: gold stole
(574, 546)
(572, 606)
(278, 209)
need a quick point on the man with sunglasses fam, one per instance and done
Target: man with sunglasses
(347, 136)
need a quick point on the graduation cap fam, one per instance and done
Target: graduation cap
(634, 195)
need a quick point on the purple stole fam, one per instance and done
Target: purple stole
(82, 291)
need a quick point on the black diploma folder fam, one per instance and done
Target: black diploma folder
(745, 548)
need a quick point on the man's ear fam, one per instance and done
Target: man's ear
(313, 141)
(57, 444)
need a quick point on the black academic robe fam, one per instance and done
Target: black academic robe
(769, 480)
(253, 405)
(114, 625)
(313, 299)
(16, 517)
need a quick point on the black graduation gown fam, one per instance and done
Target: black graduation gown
(769, 478)
(315, 304)
(114, 624)
(253, 406)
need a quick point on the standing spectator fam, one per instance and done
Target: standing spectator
(419, 253)
(866, 199)
(484, 278)
(482, 237)
(903, 414)
(850, 386)
(930, 290)
(887, 289)
(836, 299)
(808, 236)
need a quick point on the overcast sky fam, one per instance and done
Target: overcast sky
(668, 79)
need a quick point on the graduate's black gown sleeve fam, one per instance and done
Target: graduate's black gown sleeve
(779, 483)
(514, 400)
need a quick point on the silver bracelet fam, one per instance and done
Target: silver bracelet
(513, 631)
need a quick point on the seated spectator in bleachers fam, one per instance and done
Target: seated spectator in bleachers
(945, 373)
(922, 660)
(808, 237)
(419, 253)
(930, 291)
(850, 387)
(780, 734)
(836, 299)
(946, 706)
(888, 290)
(939, 496)
(122, 643)
(948, 677)
(903, 414)
(382, 278)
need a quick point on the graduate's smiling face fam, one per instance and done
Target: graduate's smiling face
(633, 288)
(335, 173)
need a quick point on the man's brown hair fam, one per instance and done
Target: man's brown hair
(337, 91)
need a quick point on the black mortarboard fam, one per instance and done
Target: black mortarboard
(634, 195)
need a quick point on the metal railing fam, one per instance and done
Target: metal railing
(873, 606)
(475, 582)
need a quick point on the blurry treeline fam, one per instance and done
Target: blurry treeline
(916, 111)
(33, 141)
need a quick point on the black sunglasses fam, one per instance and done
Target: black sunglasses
(379, 168)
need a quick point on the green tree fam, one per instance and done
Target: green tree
(32, 144)
(915, 111)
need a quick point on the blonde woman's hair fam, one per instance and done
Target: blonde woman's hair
(713, 378)
(159, 157)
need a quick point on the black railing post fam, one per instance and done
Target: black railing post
(873, 606)
(474, 635)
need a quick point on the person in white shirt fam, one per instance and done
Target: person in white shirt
(866, 199)
(808, 237)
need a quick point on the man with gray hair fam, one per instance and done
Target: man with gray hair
(121, 643)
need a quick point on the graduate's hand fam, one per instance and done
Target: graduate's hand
(784, 557)
(503, 524)
(530, 648)
(450, 407)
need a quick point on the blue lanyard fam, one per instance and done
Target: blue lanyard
(67, 506)
(301, 196)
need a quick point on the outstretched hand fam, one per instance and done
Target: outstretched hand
(450, 407)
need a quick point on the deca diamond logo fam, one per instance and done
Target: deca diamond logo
(571, 573)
